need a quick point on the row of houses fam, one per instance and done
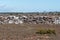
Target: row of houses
(29, 19)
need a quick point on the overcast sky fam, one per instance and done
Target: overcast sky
(29, 5)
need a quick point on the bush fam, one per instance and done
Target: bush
(49, 31)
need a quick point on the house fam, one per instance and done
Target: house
(57, 22)
(10, 21)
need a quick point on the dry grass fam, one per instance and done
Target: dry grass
(22, 31)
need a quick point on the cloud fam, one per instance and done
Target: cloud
(5, 8)
(8, 8)
(2, 5)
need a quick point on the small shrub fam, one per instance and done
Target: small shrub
(49, 31)
(53, 32)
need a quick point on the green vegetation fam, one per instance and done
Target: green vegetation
(49, 31)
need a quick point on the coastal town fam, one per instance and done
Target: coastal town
(29, 26)
(29, 19)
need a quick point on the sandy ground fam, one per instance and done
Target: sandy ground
(27, 32)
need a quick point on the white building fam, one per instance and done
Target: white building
(10, 21)
(57, 22)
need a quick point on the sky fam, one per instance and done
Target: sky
(29, 5)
